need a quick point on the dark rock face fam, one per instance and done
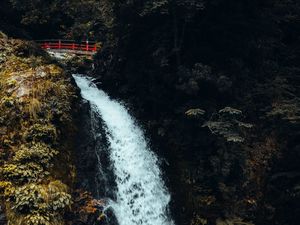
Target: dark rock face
(92, 159)
(92, 164)
(86, 158)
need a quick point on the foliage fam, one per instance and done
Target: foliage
(86, 207)
(34, 197)
(7, 101)
(195, 112)
(198, 221)
(179, 8)
(35, 109)
(37, 152)
(167, 57)
(72, 18)
(27, 197)
(37, 219)
(40, 132)
(41, 203)
(20, 173)
(227, 123)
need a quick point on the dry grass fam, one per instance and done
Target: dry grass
(34, 107)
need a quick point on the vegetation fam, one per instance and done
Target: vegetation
(216, 82)
(72, 18)
(35, 111)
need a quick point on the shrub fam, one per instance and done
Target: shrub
(20, 173)
(41, 132)
(37, 152)
(37, 219)
(27, 198)
(41, 203)
(227, 123)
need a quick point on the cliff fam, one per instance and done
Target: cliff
(37, 130)
(216, 86)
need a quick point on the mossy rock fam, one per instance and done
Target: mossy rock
(36, 101)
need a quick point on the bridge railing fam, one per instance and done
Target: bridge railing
(85, 46)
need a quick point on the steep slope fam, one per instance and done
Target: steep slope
(37, 130)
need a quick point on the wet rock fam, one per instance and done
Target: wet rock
(86, 158)
(93, 168)
(91, 154)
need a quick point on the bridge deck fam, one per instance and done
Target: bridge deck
(70, 51)
(70, 46)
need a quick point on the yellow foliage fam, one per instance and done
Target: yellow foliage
(36, 152)
(34, 98)
(6, 188)
(41, 132)
(34, 107)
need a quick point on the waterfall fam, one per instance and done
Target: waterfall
(140, 195)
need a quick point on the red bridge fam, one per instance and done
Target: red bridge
(70, 46)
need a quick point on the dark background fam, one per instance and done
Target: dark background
(165, 57)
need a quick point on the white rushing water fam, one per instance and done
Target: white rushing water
(141, 197)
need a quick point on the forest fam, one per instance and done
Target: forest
(214, 85)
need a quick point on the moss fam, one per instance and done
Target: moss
(36, 121)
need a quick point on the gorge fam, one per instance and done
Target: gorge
(188, 112)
